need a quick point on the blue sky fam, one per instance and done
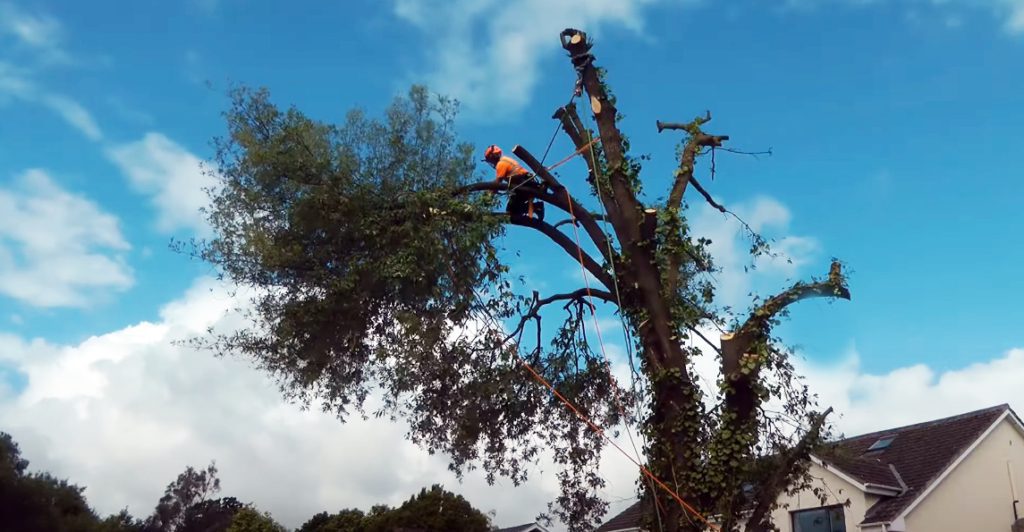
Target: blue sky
(894, 127)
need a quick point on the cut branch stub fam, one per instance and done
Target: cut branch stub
(650, 225)
(689, 126)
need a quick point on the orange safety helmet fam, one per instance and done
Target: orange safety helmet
(492, 153)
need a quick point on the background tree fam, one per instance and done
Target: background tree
(40, 501)
(372, 248)
(349, 520)
(431, 510)
(186, 498)
(249, 519)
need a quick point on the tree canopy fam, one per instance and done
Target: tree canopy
(431, 510)
(373, 249)
(31, 502)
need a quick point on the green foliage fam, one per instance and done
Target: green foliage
(373, 269)
(344, 521)
(121, 522)
(431, 510)
(249, 519)
(370, 271)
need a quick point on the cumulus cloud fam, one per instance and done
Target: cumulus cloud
(171, 175)
(489, 54)
(142, 409)
(769, 218)
(57, 249)
(867, 402)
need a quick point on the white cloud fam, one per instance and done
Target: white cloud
(56, 248)
(39, 32)
(73, 113)
(171, 175)
(866, 402)
(16, 83)
(151, 408)
(489, 54)
(730, 250)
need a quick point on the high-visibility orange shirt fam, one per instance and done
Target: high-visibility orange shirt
(506, 168)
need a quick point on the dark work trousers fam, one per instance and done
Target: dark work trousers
(519, 204)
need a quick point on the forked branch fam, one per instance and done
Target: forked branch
(697, 141)
(581, 295)
(569, 246)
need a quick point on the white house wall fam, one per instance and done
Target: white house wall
(837, 490)
(977, 494)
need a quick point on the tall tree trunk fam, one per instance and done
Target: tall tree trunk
(673, 457)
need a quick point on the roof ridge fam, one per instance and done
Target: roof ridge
(922, 424)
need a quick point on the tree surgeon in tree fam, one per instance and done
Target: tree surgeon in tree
(376, 273)
(510, 173)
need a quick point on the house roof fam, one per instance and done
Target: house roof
(915, 458)
(528, 527)
(629, 518)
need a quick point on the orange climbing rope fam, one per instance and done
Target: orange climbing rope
(615, 387)
(573, 154)
(600, 432)
(540, 379)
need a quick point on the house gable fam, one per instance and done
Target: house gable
(912, 461)
(984, 483)
(838, 488)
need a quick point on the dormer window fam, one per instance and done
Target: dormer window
(882, 443)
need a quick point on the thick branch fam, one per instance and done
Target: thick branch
(536, 166)
(758, 324)
(558, 199)
(575, 42)
(684, 175)
(783, 475)
(597, 217)
(562, 195)
(578, 294)
(577, 132)
(554, 234)
(625, 212)
(569, 246)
